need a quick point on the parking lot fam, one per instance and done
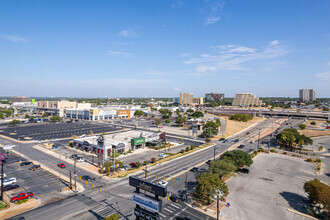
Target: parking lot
(274, 184)
(40, 182)
(43, 131)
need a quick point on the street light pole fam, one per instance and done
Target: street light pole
(217, 206)
(20, 151)
(259, 139)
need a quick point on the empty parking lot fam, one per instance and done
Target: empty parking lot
(54, 131)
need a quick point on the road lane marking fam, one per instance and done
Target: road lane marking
(168, 210)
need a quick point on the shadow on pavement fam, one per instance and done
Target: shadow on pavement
(297, 202)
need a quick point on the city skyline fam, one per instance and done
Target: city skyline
(159, 49)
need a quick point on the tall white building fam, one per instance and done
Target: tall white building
(306, 95)
(246, 99)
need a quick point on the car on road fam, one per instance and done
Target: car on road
(222, 139)
(132, 164)
(39, 142)
(162, 155)
(174, 198)
(80, 159)
(10, 187)
(241, 146)
(8, 181)
(25, 163)
(88, 178)
(225, 141)
(34, 167)
(244, 170)
(61, 165)
(162, 183)
(74, 156)
(21, 196)
(252, 142)
(194, 169)
(237, 140)
(247, 133)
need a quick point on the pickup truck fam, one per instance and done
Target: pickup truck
(21, 196)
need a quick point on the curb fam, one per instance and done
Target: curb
(302, 214)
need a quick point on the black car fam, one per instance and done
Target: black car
(209, 161)
(237, 140)
(73, 156)
(221, 139)
(194, 169)
(26, 163)
(10, 187)
(34, 167)
(88, 178)
(174, 198)
(241, 146)
(244, 170)
(247, 133)
(225, 141)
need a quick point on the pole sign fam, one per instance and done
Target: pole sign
(145, 214)
(148, 186)
(147, 202)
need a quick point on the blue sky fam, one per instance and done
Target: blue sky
(158, 48)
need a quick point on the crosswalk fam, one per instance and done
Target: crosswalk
(171, 210)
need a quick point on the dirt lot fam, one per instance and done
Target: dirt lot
(315, 133)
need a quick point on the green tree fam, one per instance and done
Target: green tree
(167, 121)
(210, 129)
(318, 192)
(325, 109)
(241, 117)
(44, 115)
(27, 116)
(197, 114)
(290, 138)
(302, 126)
(180, 120)
(138, 164)
(14, 122)
(207, 186)
(218, 122)
(8, 113)
(55, 118)
(239, 158)
(138, 113)
(112, 217)
(313, 123)
(190, 110)
(222, 167)
(1, 115)
(158, 121)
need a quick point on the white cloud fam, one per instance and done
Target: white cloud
(274, 42)
(13, 38)
(128, 33)
(211, 20)
(232, 57)
(119, 53)
(323, 76)
(184, 55)
(329, 63)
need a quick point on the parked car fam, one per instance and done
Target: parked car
(39, 142)
(132, 164)
(74, 156)
(237, 140)
(123, 168)
(162, 183)
(162, 155)
(21, 196)
(88, 178)
(225, 141)
(174, 198)
(62, 165)
(10, 187)
(194, 169)
(34, 167)
(247, 133)
(221, 139)
(25, 163)
(8, 181)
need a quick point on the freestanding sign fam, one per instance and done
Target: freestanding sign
(147, 202)
(156, 189)
(145, 214)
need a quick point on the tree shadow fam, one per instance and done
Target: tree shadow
(296, 201)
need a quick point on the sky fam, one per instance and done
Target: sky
(159, 48)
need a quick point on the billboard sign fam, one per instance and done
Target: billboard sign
(33, 101)
(147, 202)
(138, 141)
(145, 214)
(148, 186)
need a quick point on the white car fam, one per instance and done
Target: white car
(80, 159)
(9, 181)
(163, 183)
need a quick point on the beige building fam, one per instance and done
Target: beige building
(306, 95)
(198, 101)
(246, 99)
(186, 98)
(19, 99)
(54, 107)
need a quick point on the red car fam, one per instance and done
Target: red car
(132, 164)
(62, 165)
(21, 196)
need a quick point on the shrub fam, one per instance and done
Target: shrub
(241, 117)
(272, 150)
(313, 123)
(112, 217)
(260, 149)
(145, 162)
(285, 153)
(192, 147)
(309, 160)
(318, 160)
(182, 151)
(153, 160)
(187, 149)
(130, 151)
(302, 126)
(208, 140)
(137, 164)
(320, 148)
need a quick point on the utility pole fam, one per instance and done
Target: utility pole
(259, 139)
(145, 173)
(1, 180)
(20, 151)
(217, 206)
(75, 175)
(214, 153)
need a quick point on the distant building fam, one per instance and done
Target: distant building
(186, 98)
(20, 99)
(176, 100)
(198, 101)
(214, 97)
(246, 99)
(306, 95)
(55, 107)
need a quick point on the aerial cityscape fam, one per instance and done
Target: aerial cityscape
(164, 110)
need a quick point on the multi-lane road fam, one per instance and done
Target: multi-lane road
(116, 194)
